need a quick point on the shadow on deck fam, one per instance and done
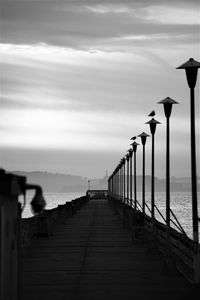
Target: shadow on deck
(92, 257)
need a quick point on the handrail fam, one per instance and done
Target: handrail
(160, 213)
(129, 203)
(139, 204)
(148, 207)
(177, 225)
(180, 227)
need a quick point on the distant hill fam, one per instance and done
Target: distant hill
(53, 182)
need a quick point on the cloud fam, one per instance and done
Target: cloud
(82, 75)
(170, 15)
(54, 83)
(94, 24)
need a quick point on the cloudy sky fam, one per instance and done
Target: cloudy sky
(79, 77)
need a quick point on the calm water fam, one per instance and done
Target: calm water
(52, 200)
(180, 205)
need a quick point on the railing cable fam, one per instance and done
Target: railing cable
(179, 225)
(148, 207)
(139, 204)
(160, 213)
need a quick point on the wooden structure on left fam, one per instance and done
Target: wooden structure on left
(11, 187)
(16, 234)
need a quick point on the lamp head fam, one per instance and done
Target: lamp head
(152, 123)
(191, 68)
(143, 137)
(134, 145)
(167, 103)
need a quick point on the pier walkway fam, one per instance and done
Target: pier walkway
(93, 257)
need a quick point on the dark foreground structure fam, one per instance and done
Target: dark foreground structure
(94, 254)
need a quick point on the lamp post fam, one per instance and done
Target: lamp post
(152, 123)
(117, 182)
(109, 186)
(191, 68)
(134, 145)
(143, 137)
(131, 172)
(120, 180)
(112, 185)
(88, 185)
(127, 159)
(124, 181)
(167, 103)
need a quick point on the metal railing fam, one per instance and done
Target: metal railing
(175, 244)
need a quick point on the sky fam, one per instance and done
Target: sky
(79, 78)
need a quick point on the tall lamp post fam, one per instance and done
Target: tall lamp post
(124, 181)
(112, 185)
(134, 145)
(121, 179)
(117, 182)
(143, 137)
(127, 159)
(167, 103)
(191, 68)
(152, 123)
(131, 172)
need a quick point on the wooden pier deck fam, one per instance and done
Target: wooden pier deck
(92, 257)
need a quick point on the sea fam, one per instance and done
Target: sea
(181, 205)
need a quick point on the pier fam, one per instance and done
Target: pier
(94, 247)
(92, 255)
